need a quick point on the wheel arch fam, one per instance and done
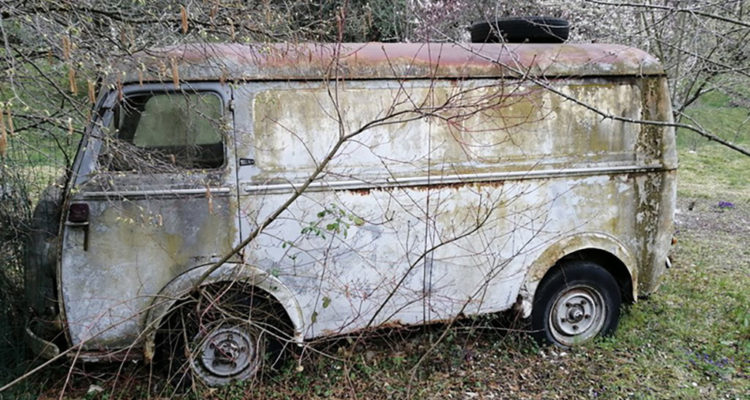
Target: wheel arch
(182, 285)
(601, 248)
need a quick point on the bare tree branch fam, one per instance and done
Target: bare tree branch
(691, 11)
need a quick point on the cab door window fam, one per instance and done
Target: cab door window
(165, 131)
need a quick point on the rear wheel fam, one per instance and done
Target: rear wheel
(217, 335)
(228, 351)
(575, 303)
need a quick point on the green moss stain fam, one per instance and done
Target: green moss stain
(648, 189)
(650, 144)
(453, 128)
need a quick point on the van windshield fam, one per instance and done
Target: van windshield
(164, 131)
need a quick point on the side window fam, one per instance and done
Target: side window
(164, 131)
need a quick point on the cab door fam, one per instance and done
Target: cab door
(154, 195)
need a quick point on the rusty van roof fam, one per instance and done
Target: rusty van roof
(313, 61)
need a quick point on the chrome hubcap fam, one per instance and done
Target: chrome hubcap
(577, 315)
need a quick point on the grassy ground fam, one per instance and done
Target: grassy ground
(690, 340)
(706, 169)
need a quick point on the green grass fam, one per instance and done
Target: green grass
(708, 169)
(691, 340)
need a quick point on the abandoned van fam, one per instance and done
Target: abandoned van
(228, 198)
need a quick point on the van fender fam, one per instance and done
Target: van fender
(566, 246)
(183, 284)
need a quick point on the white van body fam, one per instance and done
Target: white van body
(468, 172)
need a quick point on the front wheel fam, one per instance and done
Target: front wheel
(575, 303)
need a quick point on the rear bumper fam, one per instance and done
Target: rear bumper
(40, 347)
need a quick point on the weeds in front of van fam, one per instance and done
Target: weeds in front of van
(15, 212)
(688, 341)
(332, 220)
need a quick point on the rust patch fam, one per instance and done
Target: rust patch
(430, 187)
(315, 61)
(456, 185)
(393, 324)
(361, 192)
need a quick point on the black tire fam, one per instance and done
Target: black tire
(521, 29)
(40, 253)
(574, 303)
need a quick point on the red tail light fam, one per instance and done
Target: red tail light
(79, 212)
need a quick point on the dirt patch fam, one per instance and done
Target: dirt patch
(704, 216)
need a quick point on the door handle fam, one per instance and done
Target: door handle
(246, 161)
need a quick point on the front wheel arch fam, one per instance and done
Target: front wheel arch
(180, 287)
